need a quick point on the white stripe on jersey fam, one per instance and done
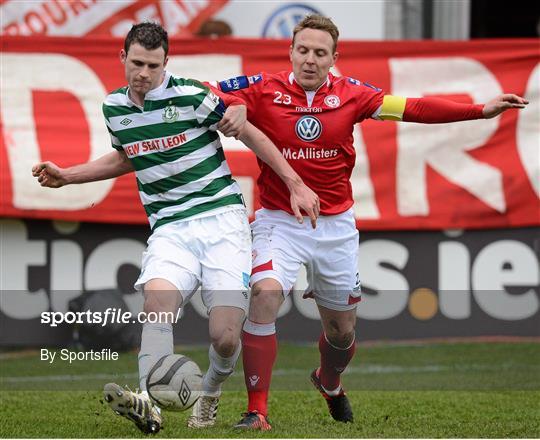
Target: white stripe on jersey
(208, 105)
(147, 118)
(184, 190)
(175, 91)
(171, 210)
(157, 172)
(190, 134)
(117, 99)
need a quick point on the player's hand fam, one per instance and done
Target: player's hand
(502, 103)
(233, 120)
(303, 198)
(49, 175)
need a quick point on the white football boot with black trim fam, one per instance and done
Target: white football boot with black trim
(204, 413)
(136, 407)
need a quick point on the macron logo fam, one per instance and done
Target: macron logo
(253, 380)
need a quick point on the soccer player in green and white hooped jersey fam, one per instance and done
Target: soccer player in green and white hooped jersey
(177, 156)
(163, 128)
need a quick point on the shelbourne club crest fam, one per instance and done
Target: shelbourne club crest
(170, 113)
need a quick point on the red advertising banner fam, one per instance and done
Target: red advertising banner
(474, 174)
(102, 17)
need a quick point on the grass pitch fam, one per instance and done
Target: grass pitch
(417, 390)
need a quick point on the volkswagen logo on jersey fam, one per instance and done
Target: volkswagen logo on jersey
(308, 128)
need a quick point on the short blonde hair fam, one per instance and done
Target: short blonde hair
(316, 21)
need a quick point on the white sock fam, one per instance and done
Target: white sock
(219, 370)
(156, 342)
(254, 328)
(332, 392)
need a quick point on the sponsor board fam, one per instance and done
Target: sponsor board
(474, 174)
(421, 284)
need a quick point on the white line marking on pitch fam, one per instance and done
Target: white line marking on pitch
(366, 369)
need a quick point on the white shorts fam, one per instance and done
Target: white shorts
(213, 252)
(329, 252)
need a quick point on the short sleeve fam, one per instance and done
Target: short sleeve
(115, 142)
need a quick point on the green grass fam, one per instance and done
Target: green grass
(433, 390)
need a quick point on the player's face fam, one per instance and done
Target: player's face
(144, 68)
(312, 56)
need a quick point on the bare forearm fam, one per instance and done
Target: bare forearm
(110, 165)
(265, 150)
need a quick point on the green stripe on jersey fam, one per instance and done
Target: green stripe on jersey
(209, 190)
(177, 81)
(190, 175)
(213, 118)
(110, 111)
(233, 199)
(180, 101)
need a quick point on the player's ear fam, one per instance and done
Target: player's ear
(166, 61)
(123, 56)
(335, 57)
(290, 53)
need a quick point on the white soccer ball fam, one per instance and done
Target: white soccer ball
(174, 382)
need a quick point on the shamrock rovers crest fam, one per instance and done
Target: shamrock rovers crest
(170, 113)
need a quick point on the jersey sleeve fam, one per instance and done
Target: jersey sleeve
(433, 110)
(115, 142)
(211, 108)
(228, 99)
(368, 99)
(429, 110)
(247, 88)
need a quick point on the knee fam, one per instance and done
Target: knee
(340, 335)
(151, 302)
(265, 301)
(161, 301)
(226, 343)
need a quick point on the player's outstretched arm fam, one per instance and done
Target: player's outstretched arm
(302, 198)
(502, 103)
(113, 164)
(434, 110)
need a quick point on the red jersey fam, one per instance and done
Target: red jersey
(314, 130)
(314, 133)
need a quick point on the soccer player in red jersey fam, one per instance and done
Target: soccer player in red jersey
(310, 114)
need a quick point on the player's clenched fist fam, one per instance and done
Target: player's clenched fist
(48, 175)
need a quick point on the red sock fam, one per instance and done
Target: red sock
(333, 362)
(259, 355)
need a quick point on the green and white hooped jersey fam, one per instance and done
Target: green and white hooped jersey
(174, 148)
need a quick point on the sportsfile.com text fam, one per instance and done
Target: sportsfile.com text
(109, 316)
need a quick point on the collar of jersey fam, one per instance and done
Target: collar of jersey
(154, 93)
(292, 80)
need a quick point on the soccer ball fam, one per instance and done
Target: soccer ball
(174, 382)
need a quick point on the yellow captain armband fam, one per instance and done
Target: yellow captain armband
(392, 108)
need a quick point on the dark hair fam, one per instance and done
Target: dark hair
(148, 35)
(318, 22)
